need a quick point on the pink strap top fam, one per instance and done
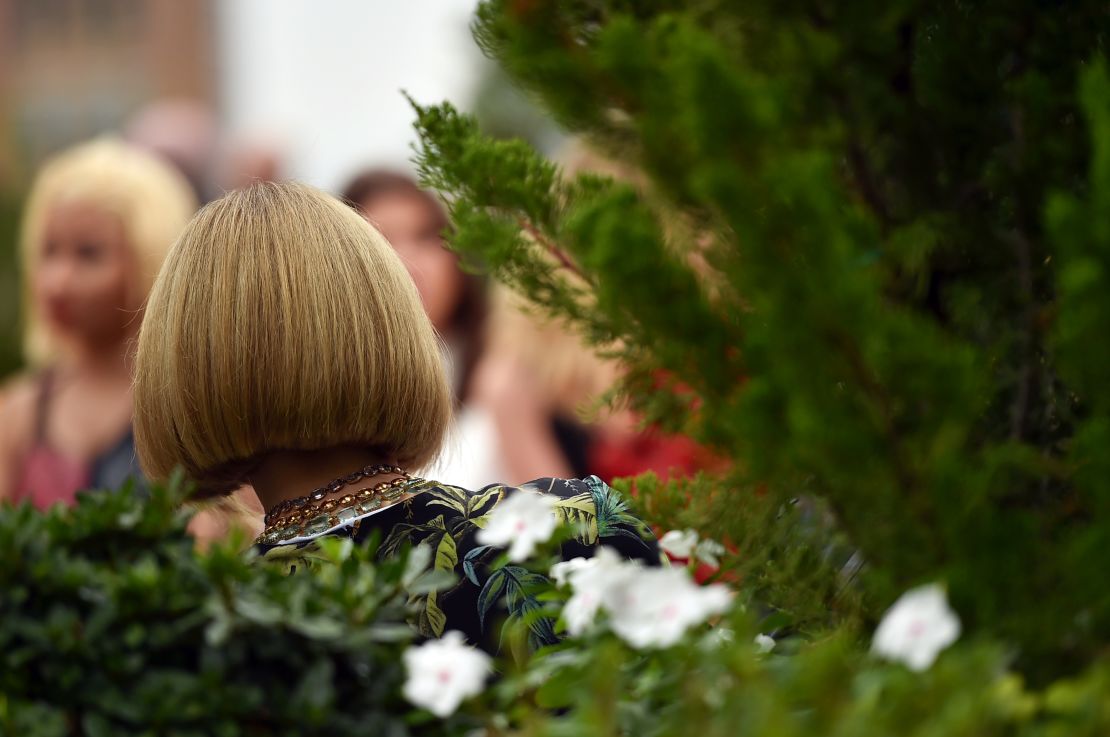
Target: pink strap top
(47, 477)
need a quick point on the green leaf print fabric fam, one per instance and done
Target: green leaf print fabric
(447, 518)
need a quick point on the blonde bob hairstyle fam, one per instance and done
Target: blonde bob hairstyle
(151, 199)
(282, 320)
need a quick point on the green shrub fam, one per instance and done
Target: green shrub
(111, 624)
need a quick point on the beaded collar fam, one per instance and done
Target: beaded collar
(313, 514)
(316, 495)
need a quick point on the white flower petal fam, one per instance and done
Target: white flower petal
(593, 581)
(520, 522)
(713, 599)
(764, 643)
(562, 571)
(603, 572)
(442, 673)
(580, 612)
(709, 552)
(917, 628)
(679, 543)
(654, 607)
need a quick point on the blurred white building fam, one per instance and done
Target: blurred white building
(324, 79)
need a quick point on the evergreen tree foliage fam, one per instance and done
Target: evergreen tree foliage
(865, 256)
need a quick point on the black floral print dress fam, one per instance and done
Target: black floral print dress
(447, 519)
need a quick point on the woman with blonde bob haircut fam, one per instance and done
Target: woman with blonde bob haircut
(285, 345)
(282, 323)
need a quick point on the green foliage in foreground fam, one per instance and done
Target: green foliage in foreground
(704, 687)
(864, 253)
(110, 624)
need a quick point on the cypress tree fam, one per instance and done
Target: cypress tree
(865, 256)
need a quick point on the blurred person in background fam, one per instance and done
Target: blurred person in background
(505, 428)
(184, 133)
(98, 222)
(535, 361)
(560, 371)
(621, 444)
(97, 225)
(247, 159)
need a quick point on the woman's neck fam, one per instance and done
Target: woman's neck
(289, 474)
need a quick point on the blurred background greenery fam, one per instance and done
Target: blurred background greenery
(10, 353)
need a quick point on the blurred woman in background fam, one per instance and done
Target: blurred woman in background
(506, 426)
(98, 223)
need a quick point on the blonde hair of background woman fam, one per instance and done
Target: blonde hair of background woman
(151, 199)
(282, 320)
(565, 369)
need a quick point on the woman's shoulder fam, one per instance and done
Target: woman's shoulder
(19, 398)
(566, 488)
(559, 487)
(599, 514)
(587, 493)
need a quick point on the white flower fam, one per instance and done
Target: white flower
(764, 643)
(580, 612)
(679, 543)
(591, 579)
(655, 606)
(598, 573)
(685, 545)
(709, 552)
(441, 673)
(581, 608)
(917, 628)
(519, 522)
(648, 607)
(561, 572)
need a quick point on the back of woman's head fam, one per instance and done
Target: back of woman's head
(151, 201)
(282, 320)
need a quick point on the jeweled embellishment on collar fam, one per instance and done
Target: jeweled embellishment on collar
(346, 509)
